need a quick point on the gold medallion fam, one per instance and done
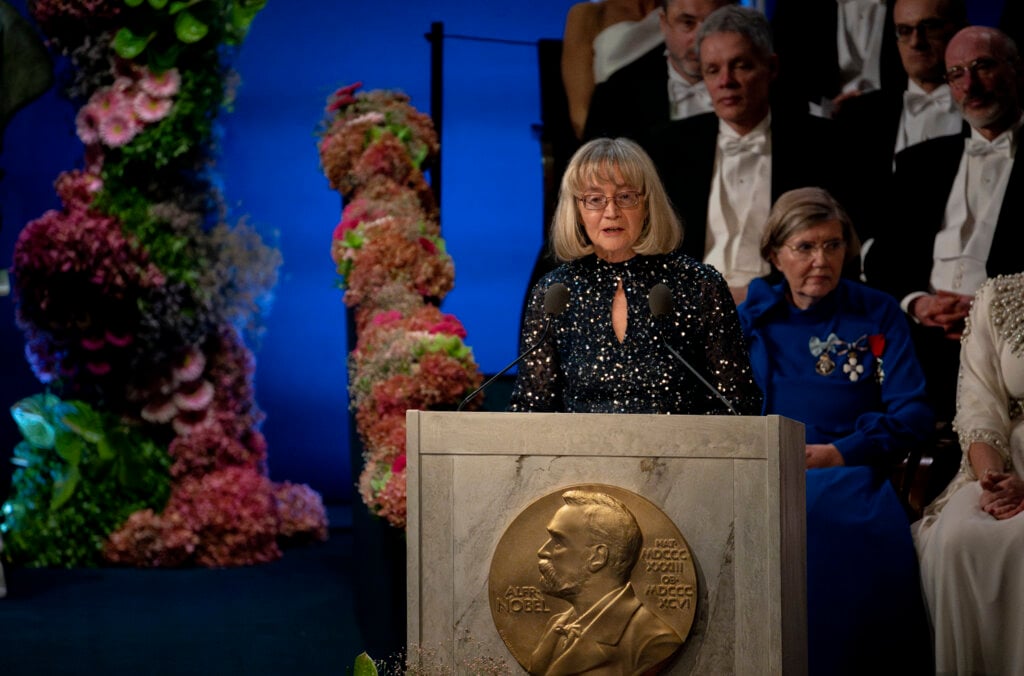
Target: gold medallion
(586, 563)
(824, 366)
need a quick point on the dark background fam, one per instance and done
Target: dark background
(297, 53)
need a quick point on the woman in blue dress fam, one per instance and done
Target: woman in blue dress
(836, 355)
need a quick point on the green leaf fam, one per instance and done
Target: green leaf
(81, 419)
(133, 3)
(106, 450)
(157, 4)
(128, 45)
(364, 666)
(161, 60)
(179, 6)
(64, 488)
(33, 423)
(189, 29)
(70, 447)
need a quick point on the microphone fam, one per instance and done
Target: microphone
(660, 301)
(556, 298)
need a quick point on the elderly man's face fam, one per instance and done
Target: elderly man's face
(738, 79)
(564, 557)
(982, 80)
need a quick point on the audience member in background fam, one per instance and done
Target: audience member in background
(878, 124)
(971, 539)
(956, 208)
(664, 84)
(836, 355)
(831, 50)
(605, 353)
(723, 170)
(600, 37)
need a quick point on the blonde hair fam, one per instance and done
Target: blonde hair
(801, 209)
(599, 161)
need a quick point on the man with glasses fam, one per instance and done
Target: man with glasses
(956, 208)
(878, 124)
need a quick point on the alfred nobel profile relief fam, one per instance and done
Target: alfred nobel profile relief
(590, 563)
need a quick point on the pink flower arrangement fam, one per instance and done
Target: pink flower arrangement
(388, 250)
(114, 115)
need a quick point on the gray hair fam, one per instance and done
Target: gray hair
(748, 22)
(801, 209)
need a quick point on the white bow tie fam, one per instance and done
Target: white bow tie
(754, 142)
(681, 91)
(917, 102)
(980, 148)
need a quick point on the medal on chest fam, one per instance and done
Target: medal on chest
(834, 349)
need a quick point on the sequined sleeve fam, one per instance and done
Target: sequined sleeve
(539, 382)
(725, 351)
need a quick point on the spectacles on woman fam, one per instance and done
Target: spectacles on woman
(805, 250)
(627, 199)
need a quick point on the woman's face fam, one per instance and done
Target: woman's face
(812, 262)
(613, 229)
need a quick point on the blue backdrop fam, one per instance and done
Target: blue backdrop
(297, 53)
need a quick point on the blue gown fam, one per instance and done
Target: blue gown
(821, 366)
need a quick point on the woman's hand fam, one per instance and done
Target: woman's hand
(819, 456)
(1002, 494)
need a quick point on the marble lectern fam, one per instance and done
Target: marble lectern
(733, 485)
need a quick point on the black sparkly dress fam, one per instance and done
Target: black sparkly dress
(582, 367)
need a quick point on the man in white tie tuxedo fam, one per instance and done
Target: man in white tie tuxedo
(664, 84)
(956, 207)
(878, 124)
(724, 169)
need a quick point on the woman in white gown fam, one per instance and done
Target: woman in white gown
(971, 539)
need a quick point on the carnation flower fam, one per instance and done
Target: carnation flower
(160, 85)
(149, 109)
(117, 128)
(87, 124)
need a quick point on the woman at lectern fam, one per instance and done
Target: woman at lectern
(836, 355)
(627, 324)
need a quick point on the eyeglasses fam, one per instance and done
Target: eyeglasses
(984, 68)
(932, 29)
(805, 250)
(623, 200)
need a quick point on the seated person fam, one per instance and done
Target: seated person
(662, 85)
(723, 170)
(971, 539)
(617, 234)
(599, 38)
(836, 355)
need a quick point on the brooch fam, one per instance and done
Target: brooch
(822, 349)
(832, 348)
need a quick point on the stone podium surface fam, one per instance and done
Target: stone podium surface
(733, 485)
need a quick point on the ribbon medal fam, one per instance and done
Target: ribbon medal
(877, 344)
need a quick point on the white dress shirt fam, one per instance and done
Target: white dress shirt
(927, 115)
(685, 99)
(739, 203)
(961, 248)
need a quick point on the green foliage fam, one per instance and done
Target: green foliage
(80, 474)
(364, 666)
(161, 30)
